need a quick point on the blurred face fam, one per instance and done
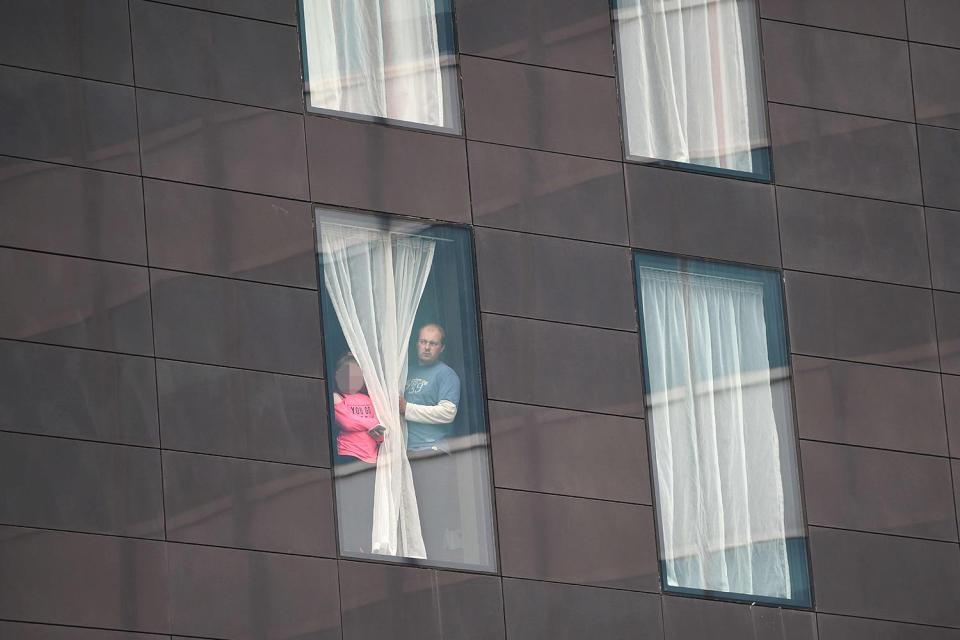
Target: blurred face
(348, 377)
(429, 345)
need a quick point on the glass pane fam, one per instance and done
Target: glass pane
(720, 419)
(408, 421)
(691, 84)
(380, 60)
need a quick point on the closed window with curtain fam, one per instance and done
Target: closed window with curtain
(407, 412)
(720, 421)
(382, 60)
(692, 86)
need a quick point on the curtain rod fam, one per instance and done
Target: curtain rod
(702, 275)
(399, 233)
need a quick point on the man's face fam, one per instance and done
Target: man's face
(429, 345)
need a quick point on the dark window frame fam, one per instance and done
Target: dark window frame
(391, 219)
(762, 154)
(455, 100)
(809, 603)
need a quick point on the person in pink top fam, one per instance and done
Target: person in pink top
(358, 434)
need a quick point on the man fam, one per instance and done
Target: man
(432, 393)
(429, 405)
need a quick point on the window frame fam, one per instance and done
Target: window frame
(412, 222)
(792, 426)
(456, 130)
(766, 177)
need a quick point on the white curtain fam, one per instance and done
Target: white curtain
(716, 447)
(691, 81)
(375, 280)
(375, 57)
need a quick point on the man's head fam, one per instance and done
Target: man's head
(430, 343)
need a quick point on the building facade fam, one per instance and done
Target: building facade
(184, 234)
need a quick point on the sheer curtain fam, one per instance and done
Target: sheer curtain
(691, 81)
(375, 57)
(375, 280)
(716, 448)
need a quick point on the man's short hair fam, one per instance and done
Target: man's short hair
(443, 333)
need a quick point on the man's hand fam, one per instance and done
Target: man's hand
(403, 406)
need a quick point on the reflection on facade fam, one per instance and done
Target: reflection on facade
(170, 460)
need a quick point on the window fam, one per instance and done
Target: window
(720, 419)
(692, 85)
(382, 60)
(400, 334)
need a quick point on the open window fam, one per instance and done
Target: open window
(720, 422)
(412, 476)
(382, 60)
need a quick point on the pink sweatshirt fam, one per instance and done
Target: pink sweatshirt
(355, 416)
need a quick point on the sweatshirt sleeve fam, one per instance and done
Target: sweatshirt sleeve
(442, 413)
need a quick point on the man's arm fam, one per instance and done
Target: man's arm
(441, 413)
